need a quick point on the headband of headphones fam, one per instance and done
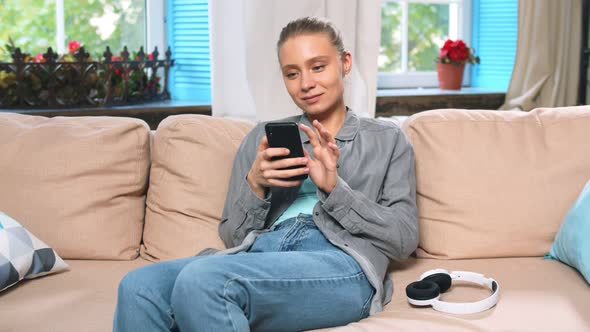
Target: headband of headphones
(426, 291)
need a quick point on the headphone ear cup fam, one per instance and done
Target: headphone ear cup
(422, 290)
(443, 281)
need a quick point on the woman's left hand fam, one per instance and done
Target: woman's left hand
(322, 169)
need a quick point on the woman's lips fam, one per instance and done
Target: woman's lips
(312, 99)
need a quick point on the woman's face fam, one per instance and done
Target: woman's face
(313, 72)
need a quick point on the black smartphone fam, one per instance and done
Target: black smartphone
(286, 135)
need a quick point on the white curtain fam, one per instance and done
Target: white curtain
(547, 64)
(246, 78)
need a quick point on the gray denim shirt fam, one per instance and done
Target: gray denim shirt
(371, 214)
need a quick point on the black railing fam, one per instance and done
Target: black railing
(52, 82)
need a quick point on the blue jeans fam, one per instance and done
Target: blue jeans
(290, 279)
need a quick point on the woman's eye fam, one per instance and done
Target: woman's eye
(318, 68)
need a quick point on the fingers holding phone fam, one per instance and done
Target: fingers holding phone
(286, 135)
(277, 164)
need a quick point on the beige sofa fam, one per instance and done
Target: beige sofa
(110, 196)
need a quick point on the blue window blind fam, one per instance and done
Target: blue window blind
(187, 32)
(494, 39)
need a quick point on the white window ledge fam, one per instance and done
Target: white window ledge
(436, 92)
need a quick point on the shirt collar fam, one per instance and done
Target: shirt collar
(346, 133)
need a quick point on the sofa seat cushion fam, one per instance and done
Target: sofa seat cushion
(81, 299)
(536, 294)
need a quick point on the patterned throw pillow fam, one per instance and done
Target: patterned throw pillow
(22, 255)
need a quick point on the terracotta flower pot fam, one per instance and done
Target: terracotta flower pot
(450, 76)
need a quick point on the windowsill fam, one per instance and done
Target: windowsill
(404, 102)
(153, 112)
(150, 107)
(390, 102)
(436, 92)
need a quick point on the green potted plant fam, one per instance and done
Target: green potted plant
(450, 63)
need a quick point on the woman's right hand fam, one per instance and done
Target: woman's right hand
(266, 173)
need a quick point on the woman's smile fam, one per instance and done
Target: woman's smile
(312, 99)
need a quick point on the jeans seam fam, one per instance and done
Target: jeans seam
(143, 292)
(227, 303)
(352, 276)
(171, 313)
(367, 303)
(300, 224)
(253, 280)
(301, 234)
(287, 234)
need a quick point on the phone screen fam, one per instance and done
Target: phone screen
(286, 135)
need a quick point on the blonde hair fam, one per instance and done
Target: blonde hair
(311, 25)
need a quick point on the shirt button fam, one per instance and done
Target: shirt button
(331, 209)
(317, 213)
(346, 244)
(337, 165)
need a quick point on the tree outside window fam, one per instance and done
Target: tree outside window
(33, 27)
(412, 32)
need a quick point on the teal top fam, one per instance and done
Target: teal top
(306, 198)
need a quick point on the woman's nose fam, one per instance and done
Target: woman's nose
(307, 82)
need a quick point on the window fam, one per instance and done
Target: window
(35, 25)
(412, 32)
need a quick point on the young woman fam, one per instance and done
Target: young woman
(303, 254)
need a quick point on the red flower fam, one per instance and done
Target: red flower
(39, 58)
(448, 44)
(456, 52)
(73, 46)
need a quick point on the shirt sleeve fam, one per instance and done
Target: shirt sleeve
(243, 210)
(391, 224)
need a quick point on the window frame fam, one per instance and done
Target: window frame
(425, 79)
(155, 25)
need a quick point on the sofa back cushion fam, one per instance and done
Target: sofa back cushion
(496, 183)
(77, 183)
(191, 163)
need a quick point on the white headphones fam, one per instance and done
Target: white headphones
(426, 291)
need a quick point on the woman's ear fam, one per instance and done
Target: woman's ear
(346, 63)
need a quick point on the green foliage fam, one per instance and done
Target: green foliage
(390, 58)
(427, 29)
(31, 24)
